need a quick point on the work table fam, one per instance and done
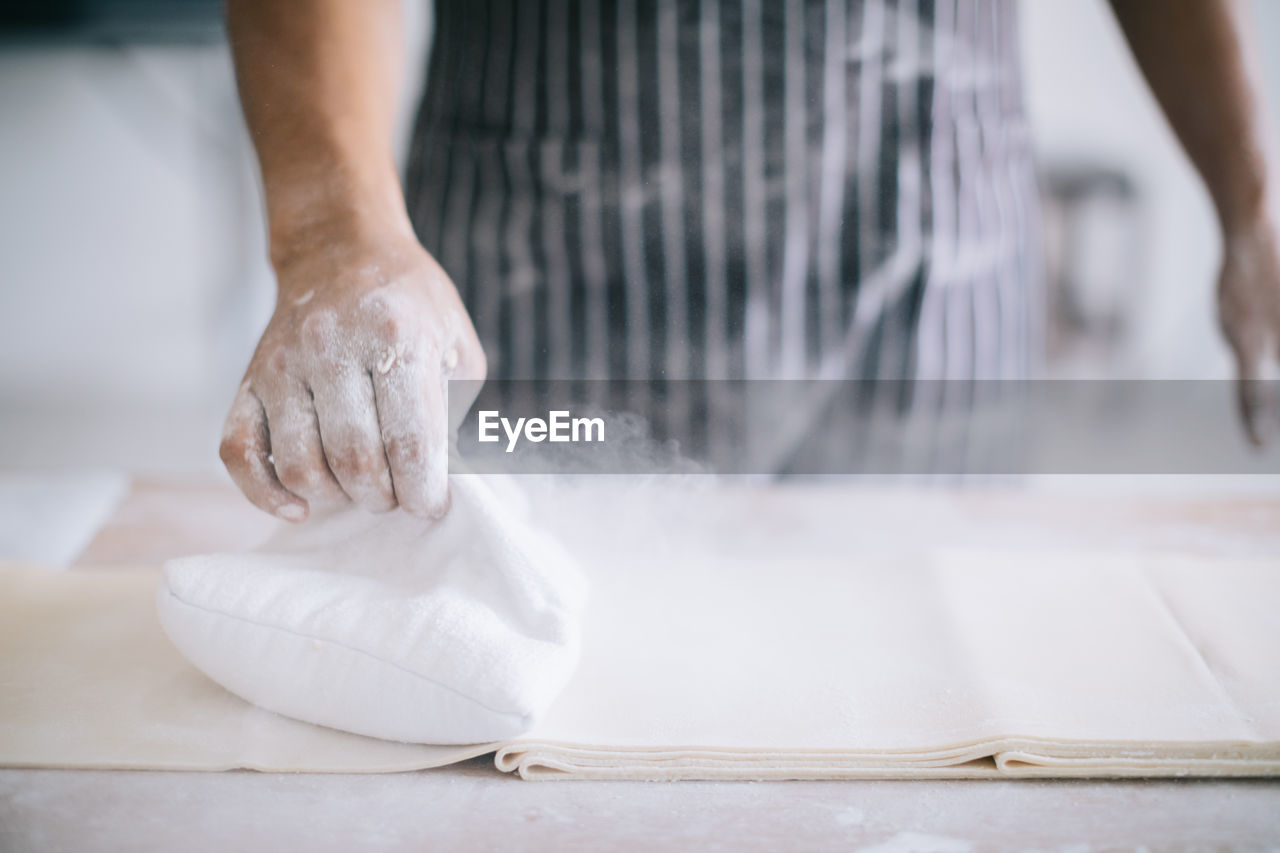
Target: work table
(473, 805)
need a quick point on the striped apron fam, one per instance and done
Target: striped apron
(715, 189)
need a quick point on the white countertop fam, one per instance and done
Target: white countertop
(473, 807)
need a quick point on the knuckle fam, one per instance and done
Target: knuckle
(353, 464)
(408, 450)
(388, 313)
(276, 361)
(318, 331)
(380, 303)
(391, 327)
(234, 452)
(297, 476)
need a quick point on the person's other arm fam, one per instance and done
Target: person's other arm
(344, 397)
(1197, 56)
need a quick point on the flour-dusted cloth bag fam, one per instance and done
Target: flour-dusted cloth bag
(461, 630)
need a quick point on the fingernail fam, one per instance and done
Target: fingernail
(292, 512)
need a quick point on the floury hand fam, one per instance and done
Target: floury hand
(345, 396)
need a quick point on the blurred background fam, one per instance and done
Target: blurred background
(133, 260)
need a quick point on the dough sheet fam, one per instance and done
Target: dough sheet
(948, 665)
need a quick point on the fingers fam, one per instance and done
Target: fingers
(348, 422)
(413, 418)
(1254, 395)
(246, 451)
(296, 451)
(1254, 402)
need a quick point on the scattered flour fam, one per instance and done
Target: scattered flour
(919, 842)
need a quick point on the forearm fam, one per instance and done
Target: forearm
(318, 85)
(1197, 58)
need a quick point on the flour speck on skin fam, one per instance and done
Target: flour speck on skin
(304, 298)
(390, 357)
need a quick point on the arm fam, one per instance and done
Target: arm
(344, 397)
(1196, 56)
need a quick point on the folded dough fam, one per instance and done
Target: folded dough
(457, 631)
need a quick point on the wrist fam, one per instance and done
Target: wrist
(330, 227)
(319, 206)
(1248, 219)
(1243, 199)
(341, 247)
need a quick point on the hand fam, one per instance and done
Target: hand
(1249, 310)
(345, 396)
